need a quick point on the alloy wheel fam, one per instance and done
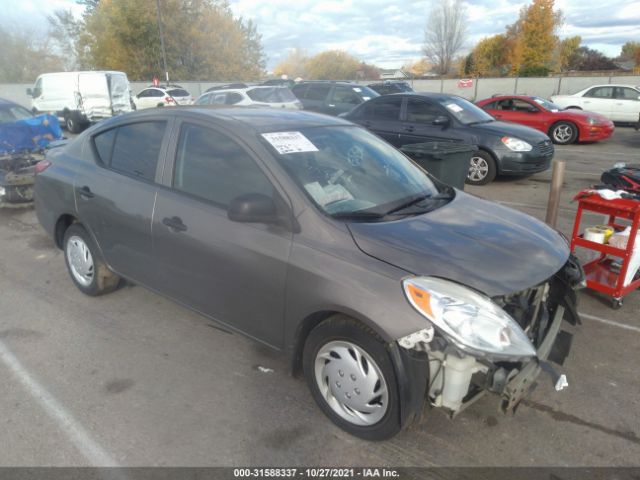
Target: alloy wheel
(478, 169)
(562, 133)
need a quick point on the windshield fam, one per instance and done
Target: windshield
(349, 172)
(546, 104)
(365, 92)
(271, 95)
(465, 111)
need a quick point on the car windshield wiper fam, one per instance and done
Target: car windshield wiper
(410, 202)
(358, 215)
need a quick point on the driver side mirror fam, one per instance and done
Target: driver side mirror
(253, 208)
(441, 120)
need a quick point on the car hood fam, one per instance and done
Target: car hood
(488, 247)
(503, 129)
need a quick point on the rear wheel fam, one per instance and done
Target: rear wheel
(351, 378)
(87, 270)
(482, 168)
(72, 122)
(563, 133)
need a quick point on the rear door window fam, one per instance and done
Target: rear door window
(317, 92)
(343, 94)
(178, 92)
(600, 92)
(213, 167)
(419, 111)
(233, 98)
(132, 149)
(387, 109)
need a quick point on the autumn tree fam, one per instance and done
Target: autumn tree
(294, 65)
(567, 52)
(332, 65)
(490, 56)
(25, 55)
(630, 51)
(536, 38)
(417, 69)
(203, 40)
(445, 33)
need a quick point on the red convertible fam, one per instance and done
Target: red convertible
(562, 126)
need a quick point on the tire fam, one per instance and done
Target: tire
(563, 133)
(72, 122)
(482, 168)
(341, 356)
(86, 268)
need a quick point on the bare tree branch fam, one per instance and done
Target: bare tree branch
(445, 33)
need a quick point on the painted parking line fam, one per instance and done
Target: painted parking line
(610, 322)
(80, 438)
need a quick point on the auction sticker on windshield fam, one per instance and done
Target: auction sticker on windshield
(454, 108)
(289, 142)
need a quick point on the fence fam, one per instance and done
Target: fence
(480, 88)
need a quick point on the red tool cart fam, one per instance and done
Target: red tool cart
(604, 274)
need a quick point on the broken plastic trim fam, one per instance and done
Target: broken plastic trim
(421, 336)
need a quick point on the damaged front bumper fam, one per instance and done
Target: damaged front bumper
(457, 378)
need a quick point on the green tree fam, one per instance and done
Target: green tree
(203, 40)
(333, 65)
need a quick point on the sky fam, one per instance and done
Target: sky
(385, 33)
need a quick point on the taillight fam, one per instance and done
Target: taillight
(41, 166)
(168, 99)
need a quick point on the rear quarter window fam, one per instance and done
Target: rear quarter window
(178, 92)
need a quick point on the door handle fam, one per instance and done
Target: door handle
(85, 192)
(175, 224)
(408, 128)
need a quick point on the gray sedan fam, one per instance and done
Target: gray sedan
(386, 288)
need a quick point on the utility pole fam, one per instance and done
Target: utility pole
(164, 54)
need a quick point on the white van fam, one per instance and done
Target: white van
(80, 98)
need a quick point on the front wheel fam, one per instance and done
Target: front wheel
(563, 133)
(482, 168)
(351, 378)
(87, 270)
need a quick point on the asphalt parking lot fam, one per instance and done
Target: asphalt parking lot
(133, 379)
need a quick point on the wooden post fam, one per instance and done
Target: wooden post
(557, 178)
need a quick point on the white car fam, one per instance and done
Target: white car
(162, 96)
(620, 103)
(264, 96)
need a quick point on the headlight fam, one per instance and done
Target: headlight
(470, 319)
(593, 121)
(516, 144)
